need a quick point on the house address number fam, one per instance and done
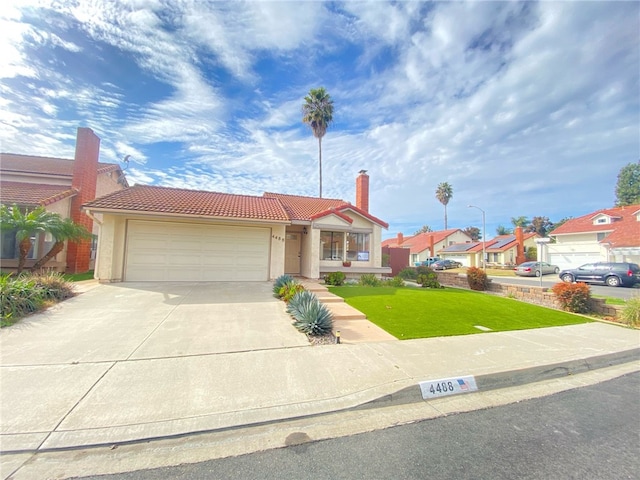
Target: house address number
(448, 386)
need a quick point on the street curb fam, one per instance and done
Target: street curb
(514, 378)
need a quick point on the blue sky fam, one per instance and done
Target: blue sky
(526, 109)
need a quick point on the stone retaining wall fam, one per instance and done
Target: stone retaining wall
(536, 295)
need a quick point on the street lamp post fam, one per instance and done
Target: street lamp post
(484, 237)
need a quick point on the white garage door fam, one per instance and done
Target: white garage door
(163, 251)
(573, 260)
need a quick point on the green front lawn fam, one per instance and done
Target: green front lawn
(78, 277)
(421, 313)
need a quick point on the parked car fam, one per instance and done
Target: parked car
(427, 262)
(534, 269)
(445, 264)
(609, 273)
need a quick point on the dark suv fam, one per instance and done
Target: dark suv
(609, 273)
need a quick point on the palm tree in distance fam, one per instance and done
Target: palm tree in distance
(444, 194)
(317, 112)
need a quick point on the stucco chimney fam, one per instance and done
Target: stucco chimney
(362, 191)
(400, 239)
(520, 257)
(85, 174)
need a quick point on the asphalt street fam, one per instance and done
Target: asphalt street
(550, 280)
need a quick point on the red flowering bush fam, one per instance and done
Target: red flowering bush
(573, 297)
(477, 279)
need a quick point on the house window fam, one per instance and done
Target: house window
(602, 220)
(602, 235)
(358, 247)
(11, 247)
(331, 245)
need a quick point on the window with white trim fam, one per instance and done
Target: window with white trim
(331, 245)
(358, 247)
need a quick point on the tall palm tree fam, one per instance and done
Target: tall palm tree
(444, 193)
(26, 225)
(61, 230)
(317, 112)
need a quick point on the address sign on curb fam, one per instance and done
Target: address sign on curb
(448, 386)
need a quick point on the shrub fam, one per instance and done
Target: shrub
(314, 319)
(369, 280)
(289, 289)
(335, 278)
(630, 314)
(408, 273)
(573, 297)
(429, 280)
(300, 302)
(477, 279)
(53, 286)
(280, 282)
(394, 282)
(18, 297)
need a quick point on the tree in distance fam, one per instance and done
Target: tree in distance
(444, 193)
(317, 112)
(473, 232)
(628, 186)
(424, 229)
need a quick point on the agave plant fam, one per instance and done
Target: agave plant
(314, 319)
(280, 282)
(300, 302)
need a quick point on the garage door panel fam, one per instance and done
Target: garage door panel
(165, 251)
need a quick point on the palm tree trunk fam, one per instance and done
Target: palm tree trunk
(320, 162)
(55, 249)
(25, 246)
(445, 216)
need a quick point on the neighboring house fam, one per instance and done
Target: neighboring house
(501, 251)
(611, 234)
(61, 186)
(429, 244)
(164, 234)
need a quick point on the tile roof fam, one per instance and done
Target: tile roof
(310, 208)
(303, 208)
(177, 201)
(59, 167)
(421, 242)
(33, 194)
(625, 229)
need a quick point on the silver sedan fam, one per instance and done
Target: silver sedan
(533, 269)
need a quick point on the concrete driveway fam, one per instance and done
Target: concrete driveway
(129, 321)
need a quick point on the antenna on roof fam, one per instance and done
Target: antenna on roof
(122, 179)
(362, 172)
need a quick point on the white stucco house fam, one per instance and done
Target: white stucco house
(611, 234)
(168, 234)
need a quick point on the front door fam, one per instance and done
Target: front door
(292, 253)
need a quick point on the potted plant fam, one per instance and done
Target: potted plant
(346, 263)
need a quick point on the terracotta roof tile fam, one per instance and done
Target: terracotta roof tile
(303, 208)
(421, 242)
(624, 230)
(309, 208)
(63, 167)
(32, 194)
(153, 199)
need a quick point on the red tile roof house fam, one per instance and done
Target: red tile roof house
(610, 234)
(425, 245)
(503, 251)
(169, 234)
(60, 185)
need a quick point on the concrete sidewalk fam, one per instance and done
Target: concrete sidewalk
(113, 379)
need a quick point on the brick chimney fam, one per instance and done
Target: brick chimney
(431, 246)
(362, 191)
(520, 258)
(85, 174)
(400, 239)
